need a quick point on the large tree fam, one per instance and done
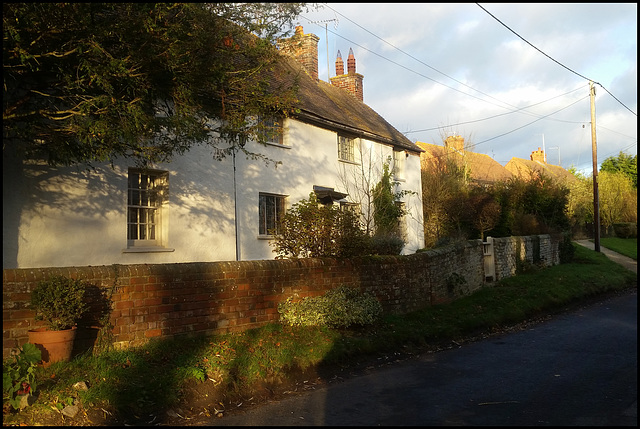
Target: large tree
(623, 163)
(87, 82)
(444, 195)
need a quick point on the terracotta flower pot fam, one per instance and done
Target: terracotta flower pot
(55, 346)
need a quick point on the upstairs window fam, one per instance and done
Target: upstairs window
(270, 127)
(146, 194)
(346, 148)
(399, 162)
(271, 210)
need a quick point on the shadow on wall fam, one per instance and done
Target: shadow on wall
(30, 187)
(94, 333)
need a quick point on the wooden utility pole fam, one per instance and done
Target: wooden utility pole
(594, 154)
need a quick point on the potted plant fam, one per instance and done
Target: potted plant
(59, 301)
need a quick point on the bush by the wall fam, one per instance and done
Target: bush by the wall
(386, 244)
(59, 301)
(339, 308)
(625, 230)
(566, 249)
(310, 229)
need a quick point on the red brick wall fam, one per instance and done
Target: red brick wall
(304, 48)
(351, 83)
(162, 300)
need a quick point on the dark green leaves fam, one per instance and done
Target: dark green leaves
(91, 82)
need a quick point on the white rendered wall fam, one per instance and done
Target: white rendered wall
(58, 217)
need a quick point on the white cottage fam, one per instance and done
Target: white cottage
(198, 209)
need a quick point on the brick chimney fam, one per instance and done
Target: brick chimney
(339, 65)
(352, 81)
(538, 155)
(304, 48)
(455, 142)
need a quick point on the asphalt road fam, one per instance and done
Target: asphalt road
(576, 369)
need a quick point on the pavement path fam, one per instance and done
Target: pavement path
(625, 261)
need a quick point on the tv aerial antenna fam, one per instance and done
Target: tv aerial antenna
(326, 36)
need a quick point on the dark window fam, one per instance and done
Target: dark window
(271, 211)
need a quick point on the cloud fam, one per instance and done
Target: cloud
(454, 66)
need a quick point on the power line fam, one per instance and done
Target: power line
(557, 62)
(501, 114)
(406, 68)
(418, 60)
(523, 126)
(427, 65)
(520, 110)
(526, 125)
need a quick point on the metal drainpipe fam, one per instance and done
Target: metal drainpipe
(235, 206)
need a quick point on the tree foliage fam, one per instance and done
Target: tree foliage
(535, 206)
(86, 82)
(580, 202)
(624, 164)
(617, 200)
(387, 213)
(484, 210)
(312, 230)
(443, 195)
(455, 209)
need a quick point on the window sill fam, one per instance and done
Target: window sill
(280, 145)
(148, 250)
(346, 161)
(266, 237)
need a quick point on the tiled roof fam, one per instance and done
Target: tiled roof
(524, 167)
(325, 105)
(483, 168)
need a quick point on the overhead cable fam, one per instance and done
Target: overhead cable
(557, 62)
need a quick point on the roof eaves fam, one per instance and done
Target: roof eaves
(319, 120)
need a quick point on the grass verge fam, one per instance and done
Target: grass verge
(137, 386)
(624, 246)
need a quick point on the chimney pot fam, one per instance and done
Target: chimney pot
(351, 62)
(339, 65)
(455, 142)
(538, 155)
(350, 82)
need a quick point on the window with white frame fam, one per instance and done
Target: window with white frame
(146, 196)
(399, 162)
(271, 128)
(271, 210)
(346, 148)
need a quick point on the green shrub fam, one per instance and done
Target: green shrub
(313, 230)
(59, 301)
(387, 244)
(625, 230)
(566, 249)
(339, 308)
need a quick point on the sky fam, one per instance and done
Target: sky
(434, 70)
